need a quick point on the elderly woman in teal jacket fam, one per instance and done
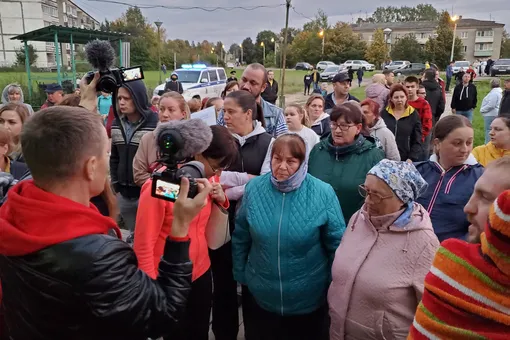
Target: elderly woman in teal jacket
(287, 230)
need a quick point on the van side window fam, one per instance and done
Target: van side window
(212, 75)
(221, 73)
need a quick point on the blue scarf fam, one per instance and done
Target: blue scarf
(293, 182)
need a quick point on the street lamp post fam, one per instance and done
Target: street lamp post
(224, 53)
(387, 38)
(274, 41)
(158, 25)
(322, 35)
(241, 47)
(454, 19)
(263, 53)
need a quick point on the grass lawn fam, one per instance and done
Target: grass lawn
(483, 88)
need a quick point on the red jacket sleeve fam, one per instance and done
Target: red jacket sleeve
(109, 122)
(149, 219)
(426, 121)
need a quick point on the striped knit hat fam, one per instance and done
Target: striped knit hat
(496, 238)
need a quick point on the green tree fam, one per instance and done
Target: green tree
(249, 52)
(20, 55)
(143, 37)
(377, 51)
(291, 34)
(422, 12)
(320, 22)
(342, 44)
(265, 37)
(407, 48)
(438, 49)
(505, 45)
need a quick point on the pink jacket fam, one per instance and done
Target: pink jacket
(378, 275)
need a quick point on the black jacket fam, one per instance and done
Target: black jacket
(435, 98)
(331, 104)
(175, 86)
(504, 107)
(270, 94)
(250, 160)
(307, 79)
(123, 150)
(407, 131)
(91, 288)
(464, 98)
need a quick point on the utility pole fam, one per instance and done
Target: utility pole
(284, 51)
(158, 25)
(175, 61)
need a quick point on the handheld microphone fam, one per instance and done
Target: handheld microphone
(179, 140)
(100, 54)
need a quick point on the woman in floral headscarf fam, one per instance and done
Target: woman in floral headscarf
(383, 258)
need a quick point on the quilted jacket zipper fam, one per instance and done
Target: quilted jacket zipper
(279, 262)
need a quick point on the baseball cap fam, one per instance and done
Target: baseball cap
(341, 77)
(52, 88)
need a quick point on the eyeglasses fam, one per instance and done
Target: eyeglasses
(343, 127)
(215, 170)
(376, 198)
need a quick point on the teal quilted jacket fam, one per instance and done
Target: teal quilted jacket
(284, 244)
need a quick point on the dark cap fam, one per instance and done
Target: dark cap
(341, 77)
(52, 88)
(232, 72)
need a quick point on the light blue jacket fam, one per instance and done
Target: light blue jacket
(284, 244)
(491, 102)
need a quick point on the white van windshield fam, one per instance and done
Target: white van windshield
(188, 76)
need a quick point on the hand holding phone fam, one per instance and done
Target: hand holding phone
(186, 209)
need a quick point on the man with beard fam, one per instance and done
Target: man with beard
(493, 182)
(255, 80)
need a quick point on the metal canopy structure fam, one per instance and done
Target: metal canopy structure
(68, 35)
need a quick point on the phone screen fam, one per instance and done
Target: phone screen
(133, 73)
(167, 190)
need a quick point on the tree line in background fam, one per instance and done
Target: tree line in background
(305, 44)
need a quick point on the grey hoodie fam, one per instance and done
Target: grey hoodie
(386, 139)
(5, 97)
(378, 93)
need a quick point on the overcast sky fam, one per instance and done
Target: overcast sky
(234, 26)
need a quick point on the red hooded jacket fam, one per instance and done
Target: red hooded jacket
(425, 112)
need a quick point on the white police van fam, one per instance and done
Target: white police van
(198, 81)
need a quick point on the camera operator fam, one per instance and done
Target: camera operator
(208, 230)
(133, 119)
(62, 276)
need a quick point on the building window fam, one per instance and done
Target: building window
(464, 35)
(423, 35)
(485, 33)
(465, 49)
(64, 7)
(483, 47)
(65, 18)
(370, 38)
(50, 10)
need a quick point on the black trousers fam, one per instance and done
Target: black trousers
(259, 324)
(195, 323)
(307, 89)
(448, 82)
(225, 324)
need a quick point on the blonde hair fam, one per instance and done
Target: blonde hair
(183, 105)
(305, 120)
(379, 79)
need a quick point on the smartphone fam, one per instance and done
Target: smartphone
(165, 190)
(132, 73)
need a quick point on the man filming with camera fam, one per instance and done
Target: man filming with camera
(62, 275)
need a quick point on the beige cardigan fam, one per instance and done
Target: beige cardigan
(146, 154)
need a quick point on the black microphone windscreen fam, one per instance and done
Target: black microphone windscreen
(195, 133)
(100, 54)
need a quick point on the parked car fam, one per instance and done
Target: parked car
(303, 66)
(464, 64)
(501, 66)
(322, 65)
(331, 71)
(410, 69)
(396, 64)
(357, 64)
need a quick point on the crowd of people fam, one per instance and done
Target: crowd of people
(338, 219)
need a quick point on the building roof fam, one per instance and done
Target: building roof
(422, 25)
(86, 13)
(80, 35)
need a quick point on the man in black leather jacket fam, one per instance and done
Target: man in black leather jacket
(62, 275)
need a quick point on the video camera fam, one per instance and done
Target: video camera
(178, 141)
(101, 56)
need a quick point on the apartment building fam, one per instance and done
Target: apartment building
(481, 38)
(22, 16)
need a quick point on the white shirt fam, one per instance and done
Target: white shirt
(310, 137)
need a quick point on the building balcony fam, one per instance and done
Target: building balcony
(484, 39)
(485, 53)
(50, 2)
